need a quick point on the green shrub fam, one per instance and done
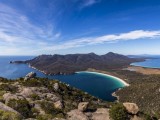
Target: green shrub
(118, 112)
(22, 106)
(32, 83)
(34, 97)
(49, 108)
(9, 116)
(44, 117)
(8, 87)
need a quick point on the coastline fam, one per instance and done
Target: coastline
(143, 70)
(116, 78)
(108, 75)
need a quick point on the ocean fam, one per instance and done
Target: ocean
(97, 85)
(152, 62)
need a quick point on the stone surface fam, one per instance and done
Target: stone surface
(131, 107)
(58, 104)
(30, 75)
(9, 96)
(56, 86)
(76, 115)
(101, 114)
(83, 106)
(136, 118)
(26, 92)
(7, 108)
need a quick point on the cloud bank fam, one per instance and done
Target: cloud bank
(111, 38)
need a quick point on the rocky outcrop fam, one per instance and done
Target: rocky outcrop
(56, 86)
(6, 108)
(9, 96)
(76, 115)
(135, 117)
(83, 106)
(58, 104)
(101, 114)
(30, 75)
(131, 107)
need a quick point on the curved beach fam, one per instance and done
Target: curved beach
(116, 78)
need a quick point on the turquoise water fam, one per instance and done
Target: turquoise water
(150, 63)
(96, 84)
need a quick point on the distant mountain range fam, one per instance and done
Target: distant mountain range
(71, 63)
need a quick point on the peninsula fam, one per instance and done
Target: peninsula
(71, 63)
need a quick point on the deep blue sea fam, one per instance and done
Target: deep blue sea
(95, 84)
(152, 62)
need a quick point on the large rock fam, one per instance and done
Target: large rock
(136, 118)
(6, 108)
(26, 92)
(76, 115)
(83, 106)
(9, 96)
(101, 114)
(56, 86)
(30, 75)
(131, 107)
(58, 104)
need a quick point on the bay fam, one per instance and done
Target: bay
(97, 85)
(153, 62)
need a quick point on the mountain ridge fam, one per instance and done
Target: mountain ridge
(71, 63)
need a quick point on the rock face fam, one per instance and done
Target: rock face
(83, 106)
(27, 92)
(6, 108)
(101, 114)
(77, 115)
(136, 118)
(131, 108)
(30, 75)
(9, 96)
(56, 86)
(58, 104)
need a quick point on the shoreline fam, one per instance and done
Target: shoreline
(143, 70)
(105, 74)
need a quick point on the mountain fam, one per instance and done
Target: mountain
(71, 63)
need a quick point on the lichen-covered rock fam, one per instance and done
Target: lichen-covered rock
(131, 107)
(83, 106)
(137, 118)
(56, 86)
(9, 96)
(26, 92)
(58, 104)
(101, 114)
(30, 75)
(76, 115)
(7, 108)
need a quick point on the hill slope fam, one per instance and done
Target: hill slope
(71, 63)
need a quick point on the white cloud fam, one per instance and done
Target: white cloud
(111, 38)
(86, 3)
(90, 2)
(17, 28)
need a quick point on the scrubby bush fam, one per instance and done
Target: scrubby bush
(22, 106)
(9, 116)
(34, 97)
(118, 112)
(49, 108)
(44, 117)
(8, 87)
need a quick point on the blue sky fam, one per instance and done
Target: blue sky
(33, 27)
